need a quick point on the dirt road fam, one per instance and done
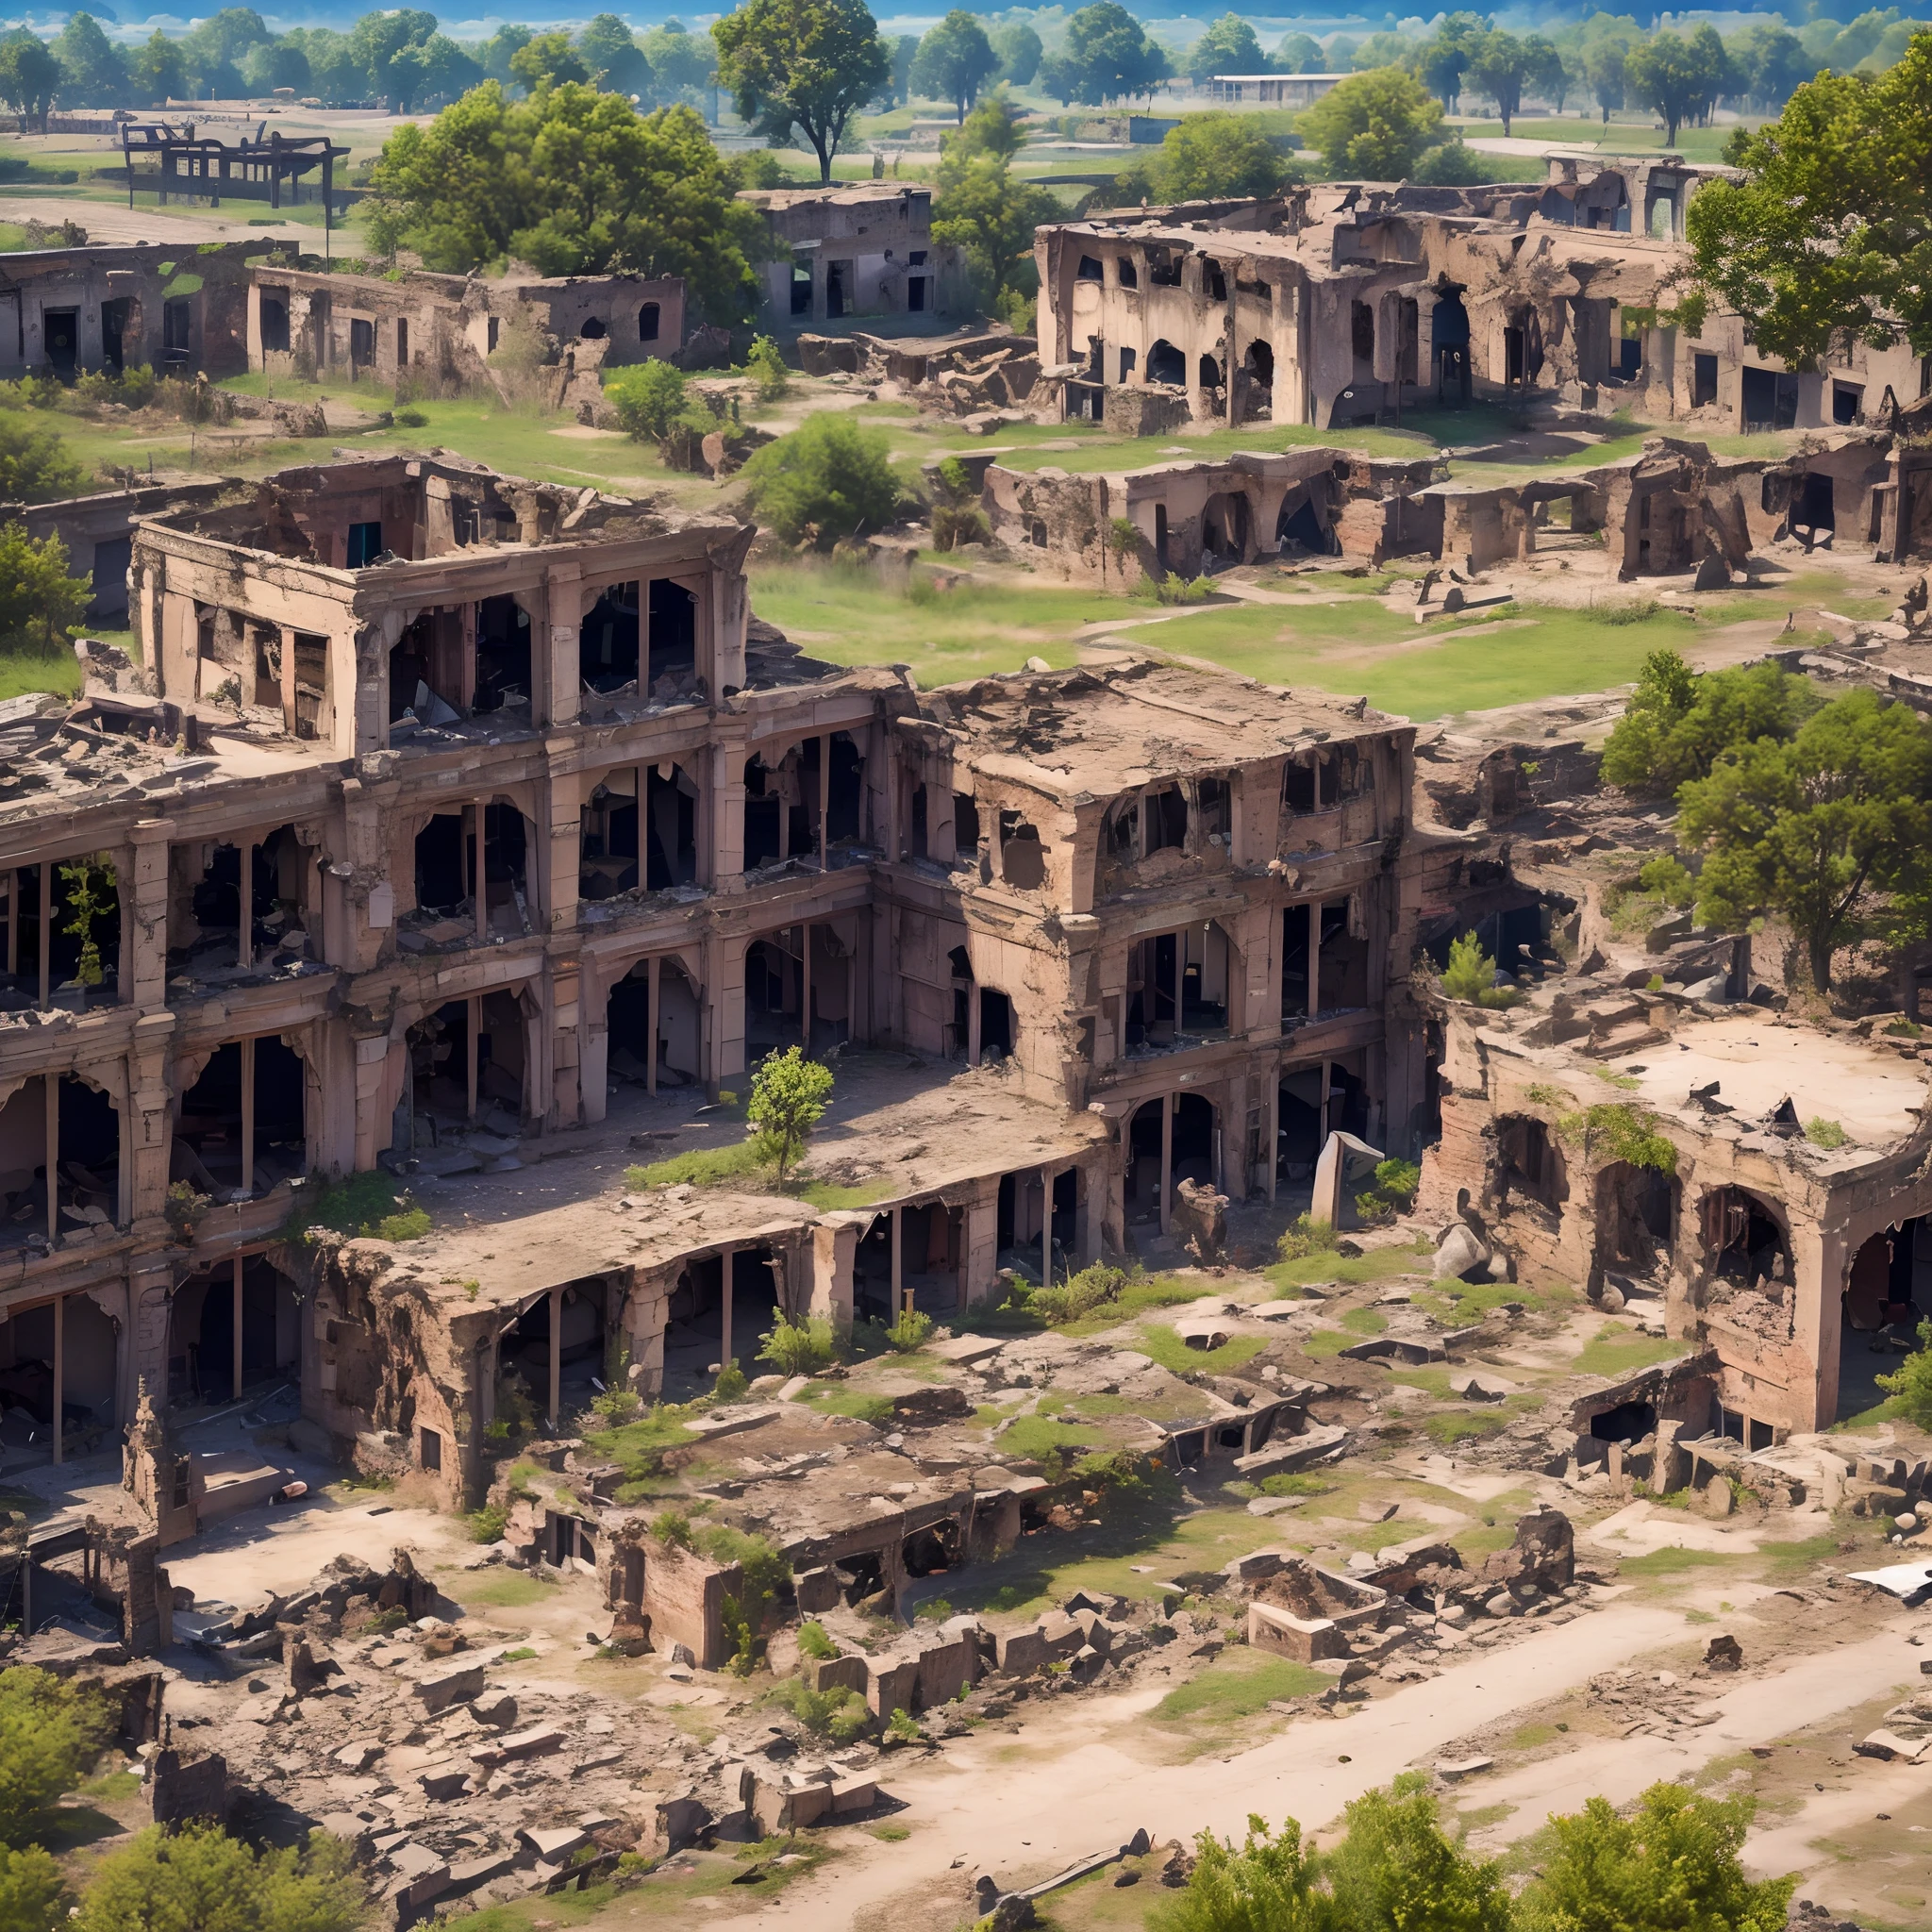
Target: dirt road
(1029, 1819)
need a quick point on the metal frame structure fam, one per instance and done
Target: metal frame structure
(214, 167)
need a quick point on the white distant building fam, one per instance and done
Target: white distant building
(1270, 89)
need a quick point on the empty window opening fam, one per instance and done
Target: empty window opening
(402, 343)
(426, 669)
(671, 819)
(62, 922)
(1213, 282)
(177, 331)
(592, 330)
(1208, 373)
(1361, 333)
(1165, 819)
(773, 984)
(1744, 1242)
(1224, 527)
(504, 845)
(503, 655)
(1629, 1421)
(1166, 364)
(995, 1026)
(965, 826)
(648, 322)
(608, 856)
(1769, 399)
(202, 1333)
(674, 637)
(1847, 402)
(1300, 1125)
(845, 792)
(1090, 270)
(696, 1341)
(630, 1019)
(364, 547)
(88, 1354)
(206, 907)
(444, 864)
(838, 287)
(1703, 381)
(931, 1246)
(1129, 275)
(1813, 510)
(1022, 858)
(1128, 362)
(244, 1121)
(466, 1063)
(801, 285)
(275, 322)
(1636, 1218)
(1260, 361)
(765, 821)
(526, 1355)
(919, 833)
(361, 344)
(1214, 802)
(607, 641)
(1296, 1004)
(1529, 1166)
(1299, 530)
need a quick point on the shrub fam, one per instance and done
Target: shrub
(618, 1404)
(827, 481)
(34, 466)
(900, 1725)
(1303, 1238)
(1080, 1294)
(198, 1875)
(1823, 1133)
(957, 517)
(788, 1099)
(50, 1732)
(1393, 1191)
(672, 1526)
(813, 1642)
(488, 1523)
(648, 399)
(909, 1333)
(1119, 1468)
(409, 418)
(766, 367)
(839, 1714)
(1670, 879)
(33, 1895)
(1470, 974)
(798, 1348)
(731, 1383)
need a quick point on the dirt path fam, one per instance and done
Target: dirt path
(1758, 1711)
(113, 222)
(1028, 1820)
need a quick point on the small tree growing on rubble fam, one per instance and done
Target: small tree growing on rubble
(788, 1099)
(798, 1348)
(1266, 1884)
(1674, 1862)
(200, 1877)
(1911, 1386)
(1470, 974)
(50, 1732)
(1396, 1869)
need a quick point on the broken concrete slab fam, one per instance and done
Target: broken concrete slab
(443, 1689)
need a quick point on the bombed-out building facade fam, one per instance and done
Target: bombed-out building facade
(444, 823)
(1347, 303)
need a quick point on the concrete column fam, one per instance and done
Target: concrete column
(653, 978)
(825, 797)
(725, 858)
(1166, 1158)
(1046, 1177)
(726, 1262)
(50, 1094)
(1274, 1118)
(805, 984)
(235, 1380)
(46, 870)
(562, 859)
(59, 1371)
(475, 1021)
(558, 675)
(1314, 958)
(555, 1358)
(248, 1118)
(144, 919)
(479, 871)
(244, 936)
(898, 1264)
(972, 1022)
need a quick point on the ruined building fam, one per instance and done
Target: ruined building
(498, 823)
(1347, 303)
(862, 248)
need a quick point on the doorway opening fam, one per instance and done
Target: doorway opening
(503, 655)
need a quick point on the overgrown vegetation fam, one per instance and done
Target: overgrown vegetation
(1471, 975)
(367, 1207)
(798, 1348)
(826, 483)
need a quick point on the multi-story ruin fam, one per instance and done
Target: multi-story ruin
(862, 248)
(1347, 303)
(500, 824)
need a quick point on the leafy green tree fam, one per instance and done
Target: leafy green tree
(1212, 156)
(575, 182)
(1297, 54)
(549, 60)
(29, 75)
(34, 466)
(804, 64)
(1671, 77)
(988, 212)
(1445, 57)
(378, 39)
(1827, 233)
(829, 479)
(1373, 127)
(1395, 1869)
(1266, 1884)
(1816, 828)
(610, 52)
(334, 72)
(1452, 164)
(1673, 1865)
(33, 1895)
(156, 72)
(648, 397)
(50, 1731)
(1603, 72)
(682, 63)
(40, 603)
(429, 69)
(788, 1092)
(225, 37)
(1770, 62)
(1113, 58)
(500, 49)
(273, 64)
(1470, 974)
(1911, 1386)
(1228, 47)
(1678, 724)
(94, 69)
(1018, 49)
(902, 52)
(199, 1880)
(953, 61)
(1498, 67)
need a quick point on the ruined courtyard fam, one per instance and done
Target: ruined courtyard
(387, 1271)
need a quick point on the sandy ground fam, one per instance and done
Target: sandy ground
(106, 221)
(263, 1550)
(1078, 1800)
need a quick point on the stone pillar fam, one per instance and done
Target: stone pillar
(721, 856)
(560, 853)
(554, 662)
(149, 1127)
(144, 915)
(981, 1244)
(566, 1101)
(833, 1246)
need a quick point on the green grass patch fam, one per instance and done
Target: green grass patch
(365, 1206)
(1379, 1265)
(702, 1167)
(1454, 1425)
(1137, 1298)
(1325, 1344)
(110, 1787)
(1238, 1684)
(57, 672)
(1044, 1440)
(1616, 1351)
(1365, 1322)
(1795, 1558)
(637, 1446)
(822, 1194)
(1673, 1562)
(836, 1398)
(507, 1593)
(1164, 1346)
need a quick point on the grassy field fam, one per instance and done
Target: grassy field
(1641, 138)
